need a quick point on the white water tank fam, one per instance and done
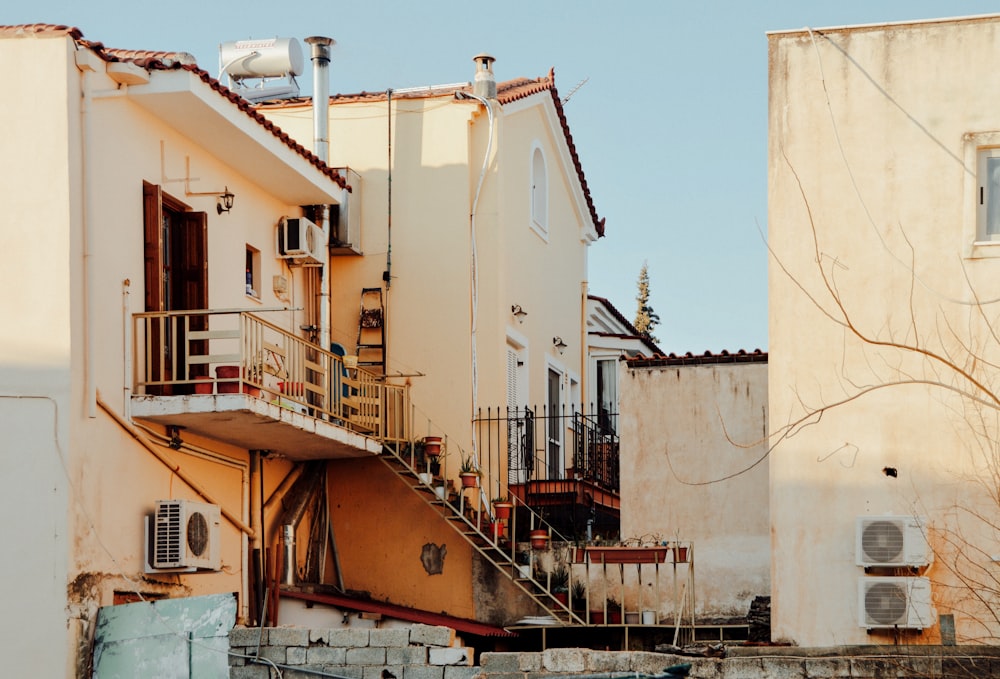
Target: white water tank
(266, 58)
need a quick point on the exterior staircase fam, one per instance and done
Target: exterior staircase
(493, 551)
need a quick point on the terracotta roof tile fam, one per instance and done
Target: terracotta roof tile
(165, 61)
(741, 356)
(508, 92)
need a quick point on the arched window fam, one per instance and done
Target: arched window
(539, 192)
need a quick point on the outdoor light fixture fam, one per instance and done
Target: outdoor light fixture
(518, 312)
(225, 203)
(559, 344)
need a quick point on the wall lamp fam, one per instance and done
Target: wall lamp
(559, 344)
(518, 312)
(225, 203)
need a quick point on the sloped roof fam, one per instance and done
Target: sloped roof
(508, 92)
(164, 61)
(631, 333)
(741, 356)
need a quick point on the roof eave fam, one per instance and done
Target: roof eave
(180, 98)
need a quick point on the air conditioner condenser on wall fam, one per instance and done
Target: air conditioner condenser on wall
(184, 535)
(892, 542)
(894, 602)
(298, 238)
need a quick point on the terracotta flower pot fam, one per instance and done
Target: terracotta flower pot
(539, 538)
(502, 509)
(432, 446)
(469, 479)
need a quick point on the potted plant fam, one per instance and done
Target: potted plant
(559, 584)
(502, 507)
(468, 472)
(539, 538)
(432, 446)
(578, 600)
(614, 611)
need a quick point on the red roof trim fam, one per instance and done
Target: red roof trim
(165, 61)
(708, 358)
(402, 612)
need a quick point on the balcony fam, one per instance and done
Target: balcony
(564, 466)
(232, 376)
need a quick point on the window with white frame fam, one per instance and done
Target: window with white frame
(988, 194)
(539, 192)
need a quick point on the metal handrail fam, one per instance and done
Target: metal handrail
(180, 352)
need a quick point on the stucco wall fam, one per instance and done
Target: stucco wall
(694, 468)
(873, 183)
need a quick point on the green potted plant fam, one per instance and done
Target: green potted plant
(559, 584)
(614, 611)
(579, 596)
(502, 507)
(468, 472)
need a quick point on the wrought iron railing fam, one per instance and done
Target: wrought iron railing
(532, 444)
(233, 351)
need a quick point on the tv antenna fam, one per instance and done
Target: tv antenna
(573, 91)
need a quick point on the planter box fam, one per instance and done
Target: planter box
(626, 554)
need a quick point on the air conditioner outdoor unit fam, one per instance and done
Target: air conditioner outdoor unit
(894, 602)
(186, 535)
(345, 217)
(892, 542)
(299, 238)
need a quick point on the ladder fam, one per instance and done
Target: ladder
(371, 330)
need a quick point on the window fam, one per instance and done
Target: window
(539, 193)
(253, 272)
(988, 194)
(607, 394)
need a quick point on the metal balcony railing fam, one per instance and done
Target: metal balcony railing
(233, 351)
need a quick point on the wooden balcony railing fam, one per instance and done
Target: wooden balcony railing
(233, 351)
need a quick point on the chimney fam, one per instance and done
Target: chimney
(321, 95)
(484, 85)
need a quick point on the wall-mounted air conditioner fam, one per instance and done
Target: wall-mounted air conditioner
(185, 535)
(298, 238)
(345, 218)
(894, 602)
(892, 542)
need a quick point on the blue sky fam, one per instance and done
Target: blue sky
(671, 126)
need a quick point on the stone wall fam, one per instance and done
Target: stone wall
(428, 652)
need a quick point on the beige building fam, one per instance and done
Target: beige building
(883, 347)
(695, 473)
(169, 399)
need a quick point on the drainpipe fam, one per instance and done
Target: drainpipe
(321, 147)
(90, 381)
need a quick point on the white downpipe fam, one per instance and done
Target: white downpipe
(90, 381)
(127, 341)
(474, 320)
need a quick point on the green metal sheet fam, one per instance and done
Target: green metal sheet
(168, 639)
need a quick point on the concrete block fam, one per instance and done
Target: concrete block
(273, 653)
(365, 656)
(349, 672)
(965, 667)
(432, 635)
(295, 655)
(422, 672)
(411, 655)
(348, 638)
(247, 636)
(783, 668)
(389, 637)
(371, 672)
(503, 662)
(743, 668)
(703, 668)
(564, 660)
(827, 668)
(526, 662)
(875, 668)
(325, 655)
(288, 636)
(608, 661)
(249, 672)
(237, 657)
(467, 672)
(319, 635)
(648, 662)
(929, 666)
(460, 655)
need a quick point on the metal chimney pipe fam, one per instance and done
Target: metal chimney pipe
(485, 84)
(321, 95)
(321, 147)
